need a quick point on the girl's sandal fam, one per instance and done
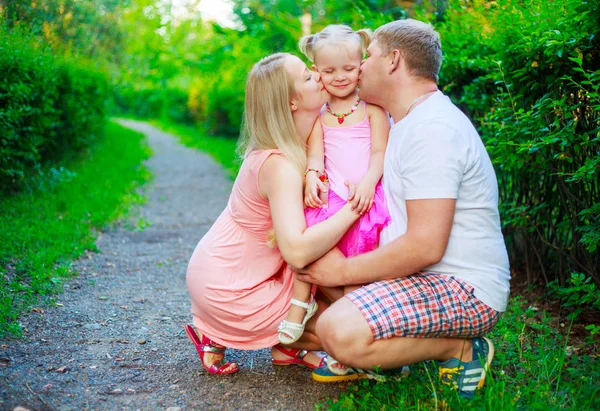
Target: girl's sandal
(208, 346)
(290, 332)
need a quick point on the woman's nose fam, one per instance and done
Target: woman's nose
(317, 76)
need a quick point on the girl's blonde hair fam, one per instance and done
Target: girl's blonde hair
(268, 122)
(338, 34)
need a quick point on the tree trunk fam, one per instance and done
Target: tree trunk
(440, 10)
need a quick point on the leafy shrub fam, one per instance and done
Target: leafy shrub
(527, 74)
(28, 115)
(48, 106)
(217, 95)
(152, 102)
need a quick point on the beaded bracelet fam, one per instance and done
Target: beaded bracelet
(308, 170)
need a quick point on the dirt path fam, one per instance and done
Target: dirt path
(114, 341)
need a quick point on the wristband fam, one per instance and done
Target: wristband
(324, 177)
(308, 170)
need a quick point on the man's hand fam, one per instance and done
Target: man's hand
(327, 271)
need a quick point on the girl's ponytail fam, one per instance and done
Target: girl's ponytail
(366, 36)
(307, 46)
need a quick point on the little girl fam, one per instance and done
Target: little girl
(347, 144)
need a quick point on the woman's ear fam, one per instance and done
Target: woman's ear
(293, 105)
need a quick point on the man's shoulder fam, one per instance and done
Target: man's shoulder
(443, 117)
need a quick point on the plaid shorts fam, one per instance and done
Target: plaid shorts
(423, 305)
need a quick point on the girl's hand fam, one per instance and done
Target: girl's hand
(362, 197)
(313, 188)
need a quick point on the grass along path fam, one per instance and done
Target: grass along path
(538, 365)
(44, 229)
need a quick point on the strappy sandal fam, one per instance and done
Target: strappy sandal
(297, 358)
(208, 346)
(335, 370)
(290, 332)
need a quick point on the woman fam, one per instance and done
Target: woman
(238, 279)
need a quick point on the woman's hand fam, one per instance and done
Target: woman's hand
(362, 197)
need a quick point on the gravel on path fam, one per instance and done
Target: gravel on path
(115, 339)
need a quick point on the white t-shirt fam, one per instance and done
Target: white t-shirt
(435, 152)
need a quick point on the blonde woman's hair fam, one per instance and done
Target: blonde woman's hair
(337, 34)
(268, 122)
(418, 42)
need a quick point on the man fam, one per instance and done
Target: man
(440, 278)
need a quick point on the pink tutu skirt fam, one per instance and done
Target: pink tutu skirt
(363, 236)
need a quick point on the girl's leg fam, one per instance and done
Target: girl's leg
(301, 293)
(309, 340)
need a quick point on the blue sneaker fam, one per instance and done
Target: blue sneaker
(468, 376)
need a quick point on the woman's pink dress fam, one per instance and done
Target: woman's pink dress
(240, 287)
(347, 155)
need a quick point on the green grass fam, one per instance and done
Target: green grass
(222, 149)
(536, 367)
(53, 222)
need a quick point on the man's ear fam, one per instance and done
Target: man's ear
(395, 61)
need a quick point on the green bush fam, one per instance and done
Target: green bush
(28, 114)
(217, 94)
(49, 106)
(170, 104)
(528, 75)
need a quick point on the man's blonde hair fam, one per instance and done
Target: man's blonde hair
(418, 43)
(337, 34)
(268, 122)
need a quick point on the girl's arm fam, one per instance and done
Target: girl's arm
(365, 190)
(280, 182)
(316, 161)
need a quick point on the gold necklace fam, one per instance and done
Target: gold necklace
(418, 99)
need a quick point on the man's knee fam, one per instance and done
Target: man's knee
(329, 331)
(343, 331)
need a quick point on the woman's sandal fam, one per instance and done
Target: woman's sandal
(208, 346)
(297, 358)
(290, 332)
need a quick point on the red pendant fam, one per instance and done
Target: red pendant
(340, 120)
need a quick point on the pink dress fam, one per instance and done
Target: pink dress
(347, 155)
(240, 287)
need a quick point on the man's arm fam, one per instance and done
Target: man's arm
(423, 244)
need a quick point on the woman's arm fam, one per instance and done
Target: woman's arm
(315, 161)
(281, 184)
(365, 189)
